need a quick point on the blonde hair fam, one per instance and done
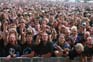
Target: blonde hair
(79, 47)
(73, 28)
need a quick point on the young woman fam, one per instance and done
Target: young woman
(62, 47)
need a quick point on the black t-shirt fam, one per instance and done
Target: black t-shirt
(2, 47)
(13, 49)
(43, 49)
(27, 49)
(88, 51)
(91, 23)
(73, 54)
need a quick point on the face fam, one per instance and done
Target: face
(89, 42)
(22, 25)
(44, 36)
(74, 32)
(37, 27)
(54, 35)
(86, 34)
(79, 52)
(12, 39)
(29, 39)
(67, 32)
(61, 39)
(44, 22)
(51, 18)
(43, 27)
(38, 39)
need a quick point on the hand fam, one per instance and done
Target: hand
(23, 56)
(11, 56)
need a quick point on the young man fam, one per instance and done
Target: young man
(45, 47)
(88, 50)
(27, 49)
(12, 48)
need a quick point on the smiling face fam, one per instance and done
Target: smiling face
(12, 39)
(89, 42)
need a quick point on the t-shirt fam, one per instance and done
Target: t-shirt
(63, 46)
(2, 48)
(73, 54)
(88, 51)
(43, 49)
(27, 49)
(13, 49)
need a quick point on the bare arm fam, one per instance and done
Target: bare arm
(29, 55)
(47, 55)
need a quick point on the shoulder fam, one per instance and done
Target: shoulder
(50, 43)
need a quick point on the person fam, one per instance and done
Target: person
(43, 48)
(27, 49)
(88, 50)
(62, 47)
(77, 51)
(52, 25)
(91, 21)
(2, 46)
(12, 48)
(74, 35)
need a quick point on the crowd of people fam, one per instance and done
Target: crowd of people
(46, 30)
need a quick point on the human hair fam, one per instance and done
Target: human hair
(79, 47)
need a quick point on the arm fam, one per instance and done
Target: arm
(46, 55)
(29, 55)
(83, 59)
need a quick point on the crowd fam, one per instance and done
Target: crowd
(46, 30)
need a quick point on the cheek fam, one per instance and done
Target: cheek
(45, 38)
(11, 39)
(29, 38)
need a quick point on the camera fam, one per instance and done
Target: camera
(83, 24)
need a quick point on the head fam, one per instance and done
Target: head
(29, 38)
(44, 37)
(89, 42)
(79, 48)
(61, 39)
(61, 28)
(38, 39)
(86, 34)
(54, 34)
(12, 39)
(74, 30)
(67, 31)
(37, 27)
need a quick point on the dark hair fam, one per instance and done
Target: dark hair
(28, 33)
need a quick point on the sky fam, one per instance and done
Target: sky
(63, 0)
(71, 0)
